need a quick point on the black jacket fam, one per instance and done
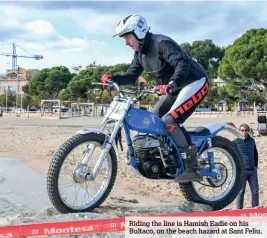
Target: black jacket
(164, 60)
(249, 152)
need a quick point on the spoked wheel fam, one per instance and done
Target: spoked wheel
(69, 185)
(221, 191)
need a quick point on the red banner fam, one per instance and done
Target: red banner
(107, 225)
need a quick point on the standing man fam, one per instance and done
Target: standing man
(249, 153)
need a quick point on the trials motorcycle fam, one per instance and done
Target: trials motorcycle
(152, 155)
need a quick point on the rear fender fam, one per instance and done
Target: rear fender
(215, 128)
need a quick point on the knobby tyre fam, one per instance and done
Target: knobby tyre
(190, 193)
(57, 161)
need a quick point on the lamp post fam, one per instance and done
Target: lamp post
(18, 69)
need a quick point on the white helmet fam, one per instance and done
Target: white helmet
(135, 24)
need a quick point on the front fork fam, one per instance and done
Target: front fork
(106, 147)
(91, 148)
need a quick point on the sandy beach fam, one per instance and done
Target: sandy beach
(34, 140)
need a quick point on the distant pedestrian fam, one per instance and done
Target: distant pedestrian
(248, 150)
(102, 112)
(118, 139)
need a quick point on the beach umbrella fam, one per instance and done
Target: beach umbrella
(243, 100)
(222, 102)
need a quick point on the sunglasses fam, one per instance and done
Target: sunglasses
(244, 130)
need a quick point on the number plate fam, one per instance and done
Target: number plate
(116, 110)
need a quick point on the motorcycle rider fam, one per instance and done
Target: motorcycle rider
(181, 81)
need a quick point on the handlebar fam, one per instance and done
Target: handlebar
(120, 91)
(108, 84)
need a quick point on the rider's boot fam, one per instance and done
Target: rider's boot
(190, 173)
(189, 154)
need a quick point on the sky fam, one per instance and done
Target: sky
(78, 33)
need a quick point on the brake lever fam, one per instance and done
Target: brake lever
(152, 92)
(104, 84)
(139, 98)
(158, 93)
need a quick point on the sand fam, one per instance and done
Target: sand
(34, 140)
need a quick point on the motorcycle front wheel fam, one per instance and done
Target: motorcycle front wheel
(76, 181)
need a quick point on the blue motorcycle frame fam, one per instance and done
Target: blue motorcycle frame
(123, 112)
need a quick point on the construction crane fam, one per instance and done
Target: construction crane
(15, 56)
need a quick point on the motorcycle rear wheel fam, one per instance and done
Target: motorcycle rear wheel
(188, 189)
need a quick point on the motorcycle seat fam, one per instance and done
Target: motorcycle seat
(199, 131)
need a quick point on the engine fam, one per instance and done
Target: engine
(155, 157)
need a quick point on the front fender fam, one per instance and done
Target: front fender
(215, 128)
(98, 131)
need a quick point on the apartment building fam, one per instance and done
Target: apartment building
(218, 82)
(16, 80)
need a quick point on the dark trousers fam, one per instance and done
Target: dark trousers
(252, 177)
(118, 139)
